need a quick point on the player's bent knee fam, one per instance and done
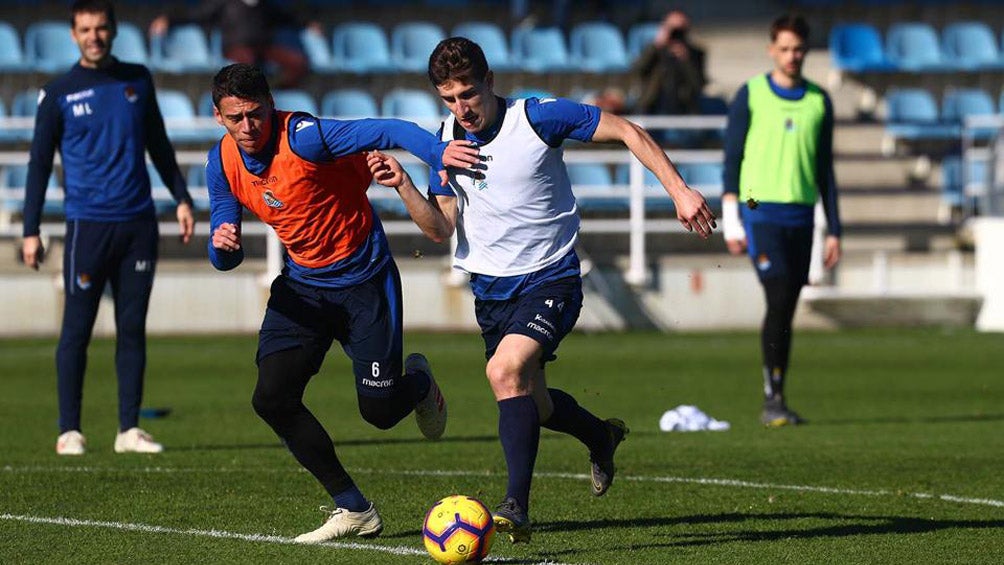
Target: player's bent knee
(383, 413)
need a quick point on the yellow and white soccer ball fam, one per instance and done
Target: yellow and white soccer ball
(458, 529)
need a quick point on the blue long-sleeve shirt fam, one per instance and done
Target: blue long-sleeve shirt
(320, 140)
(102, 121)
(735, 143)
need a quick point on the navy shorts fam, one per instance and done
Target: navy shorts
(546, 314)
(365, 319)
(780, 251)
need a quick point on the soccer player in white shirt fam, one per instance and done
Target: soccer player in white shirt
(517, 223)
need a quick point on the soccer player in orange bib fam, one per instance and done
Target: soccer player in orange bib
(307, 179)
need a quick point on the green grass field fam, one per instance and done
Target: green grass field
(902, 461)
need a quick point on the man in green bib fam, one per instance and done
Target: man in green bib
(778, 163)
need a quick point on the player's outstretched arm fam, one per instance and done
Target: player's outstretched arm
(423, 211)
(691, 208)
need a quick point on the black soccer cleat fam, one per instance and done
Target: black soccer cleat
(603, 466)
(512, 521)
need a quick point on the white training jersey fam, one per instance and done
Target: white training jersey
(516, 210)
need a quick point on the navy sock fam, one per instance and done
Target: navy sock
(570, 418)
(352, 499)
(419, 383)
(519, 431)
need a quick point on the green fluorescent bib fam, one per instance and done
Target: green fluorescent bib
(779, 158)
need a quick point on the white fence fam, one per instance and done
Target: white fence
(637, 225)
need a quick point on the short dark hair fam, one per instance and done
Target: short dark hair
(457, 58)
(92, 7)
(788, 22)
(242, 81)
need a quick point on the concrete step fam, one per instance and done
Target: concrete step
(889, 208)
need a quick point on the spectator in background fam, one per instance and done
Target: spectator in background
(102, 115)
(251, 33)
(671, 70)
(779, 162)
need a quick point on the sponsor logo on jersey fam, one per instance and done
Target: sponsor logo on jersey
(303, 124)
(78, 96)
(131, 95)
(84, 281)
(763, 262)
(378, 384)
(271, 201)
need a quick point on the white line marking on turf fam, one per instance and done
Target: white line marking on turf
(221, 534)
(575, 476)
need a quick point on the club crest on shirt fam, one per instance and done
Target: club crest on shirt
(763, 262)
(271, 201)
(789, 124)
(131, 94)
(84, 281)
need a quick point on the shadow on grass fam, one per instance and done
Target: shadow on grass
(921, 420)
(350, 442)
(860, 525)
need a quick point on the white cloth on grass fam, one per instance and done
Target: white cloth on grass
(686, 418)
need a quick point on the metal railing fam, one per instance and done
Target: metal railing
(637, 225)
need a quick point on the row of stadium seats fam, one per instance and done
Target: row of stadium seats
(598, 187)
(915, 47)
(177, 107)
(913, 113)
(355, 47)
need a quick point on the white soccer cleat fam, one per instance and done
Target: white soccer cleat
(135, 440)
(430, 412)
(342, 522)
(71, 443)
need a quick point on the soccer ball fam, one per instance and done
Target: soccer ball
(458, 529)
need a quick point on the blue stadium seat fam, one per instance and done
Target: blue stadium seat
(176, 107)
(318, 52)
(531, 93)
(641, 36)
(349, 103)
(959, 103)
(971, 46)
(598, 47)
(541, 50)
(361, 47)
(205, 106)
(705, 177)
(857, 48)
(410, 104)
(196, 179)
(492, 41)
(25, 103)
(592, 184)
(656, 198)
(163, 202)
(911, 113)
(960, 187)
(412, 42)
(914, 46)
(11, 55)
(130, 44)
(8, 135)
(184, 49)
(15, 177)
(48, 47)
(295, 100)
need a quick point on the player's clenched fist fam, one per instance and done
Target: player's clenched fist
(386, 169)
(227, 238)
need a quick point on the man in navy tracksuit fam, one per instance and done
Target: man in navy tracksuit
(102, 116)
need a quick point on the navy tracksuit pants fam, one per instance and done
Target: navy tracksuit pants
(123, 254)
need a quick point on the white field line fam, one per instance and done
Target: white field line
(574, 476)
(221, 534)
